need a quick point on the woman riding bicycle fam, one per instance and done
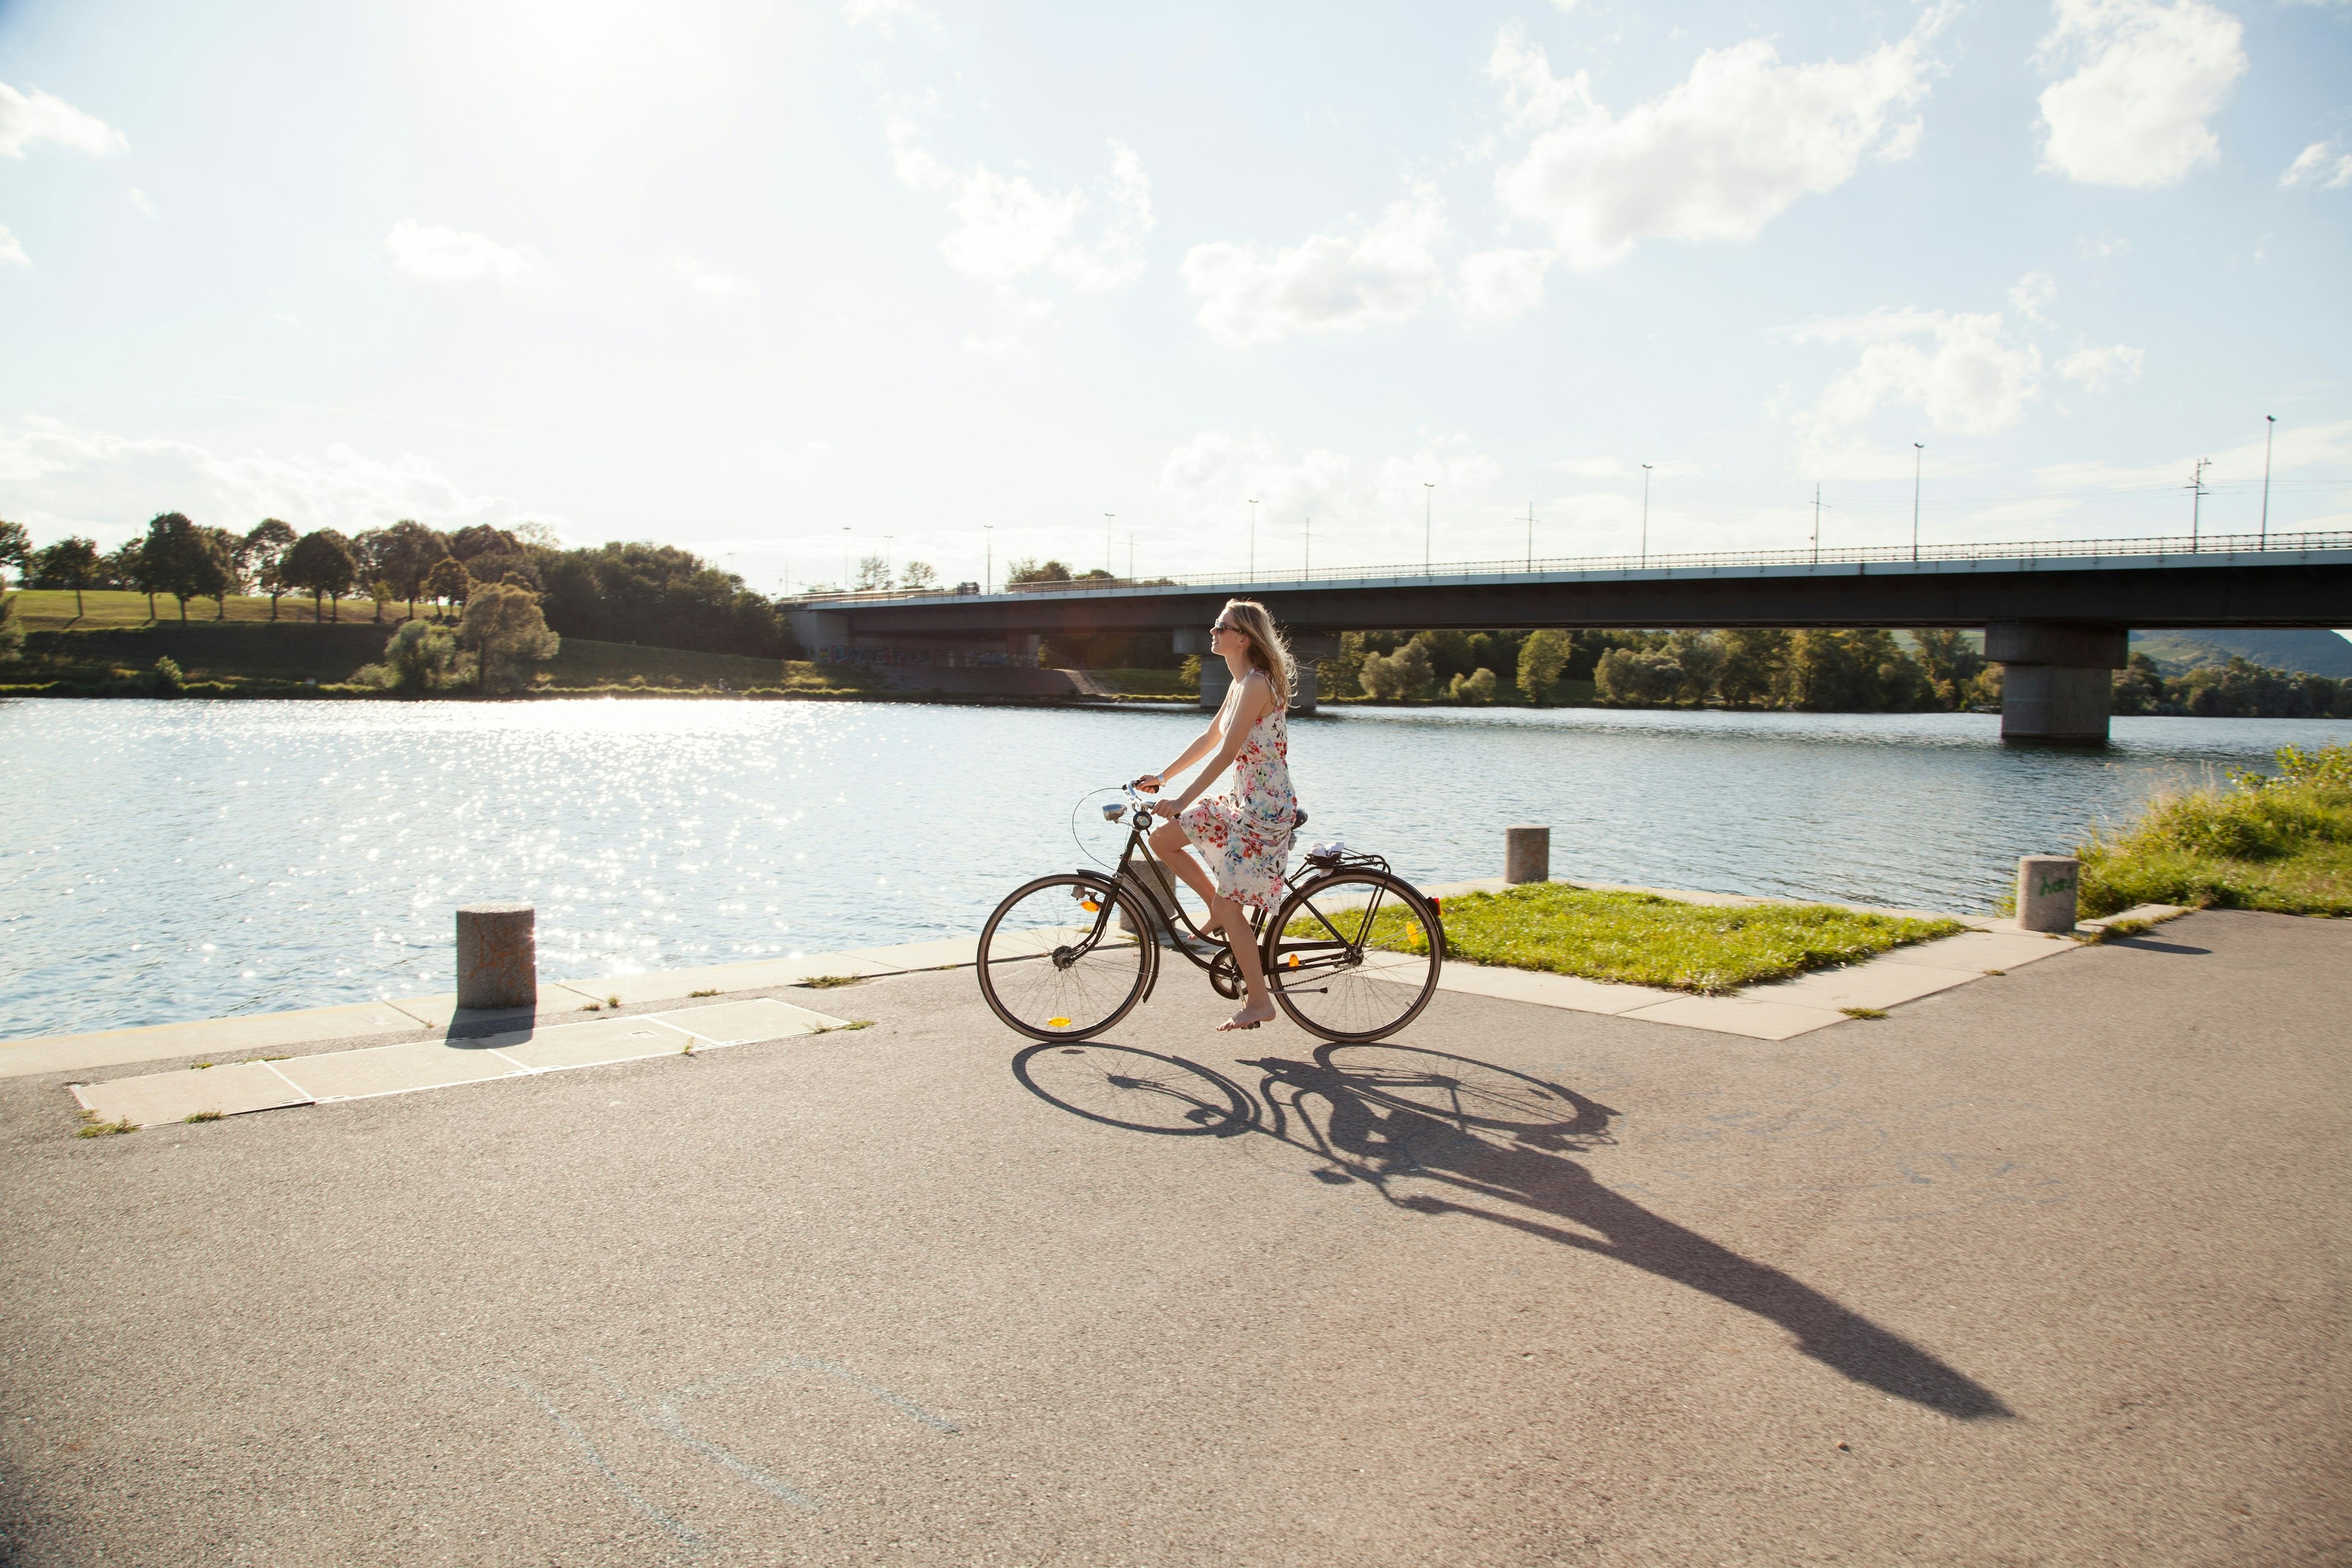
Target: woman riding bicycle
(1244, 835)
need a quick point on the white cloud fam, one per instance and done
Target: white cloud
(104, 483)
(1004, 348)
(2147, 76)
(703, 280)
(1496, 284)
(2095, 368)
(439, 254)
(29, 118)
(12, 252)
(2328, 447)
(1716, 158)
(139, 200)
(1011, 229)
(2323, 164)
(1374, 276)
(884, 16)
(1627, 468)
(1961, 370)
(1366, 512)
(2030, 293)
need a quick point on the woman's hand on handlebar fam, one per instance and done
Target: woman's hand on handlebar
(1150, 784)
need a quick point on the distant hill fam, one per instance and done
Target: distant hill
(2305, 652)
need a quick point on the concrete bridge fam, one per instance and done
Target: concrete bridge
(2056, 614)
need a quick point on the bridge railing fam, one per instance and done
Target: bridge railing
(2024, 551)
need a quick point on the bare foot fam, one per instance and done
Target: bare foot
(1249, 1018)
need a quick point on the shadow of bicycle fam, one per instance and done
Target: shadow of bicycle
(1437, 1133)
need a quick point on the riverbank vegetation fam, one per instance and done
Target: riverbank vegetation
(1643, 938)
(2280, 841)
(1815, 670)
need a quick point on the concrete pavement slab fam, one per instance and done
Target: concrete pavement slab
(556, 1002)
(942, 952)
(1981, 951)
(1544, 990)
(756, 974)
(224, 1037)
(585, 1045)
(231, 1090)
(1739, 1015)
(396, 1070)
(1870, 984)
(748, 1023)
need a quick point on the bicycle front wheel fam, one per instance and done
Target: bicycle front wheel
(1355, 955)
(1054, 964)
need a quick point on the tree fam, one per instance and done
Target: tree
(481, 539)
(873, 572)
(12, 630)
(1400, 676)
(16, 548)
(1477, 687)
(1947, 661)
(1701, 658)
(321, 563)
(183, 560)
(1027, 569)
(1638, 677)
(227, 574)
(447, 582)
(410, 552)
(383, 593)
(1541, 659)
(119, 566)
(421, 657)
(2139, 686)
(504, 630)
(71, 563)
(1755, 667)
(264, 551)
(918, 575)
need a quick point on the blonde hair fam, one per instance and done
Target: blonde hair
(1269, 650)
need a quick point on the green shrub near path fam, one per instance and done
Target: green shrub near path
(2281, 843)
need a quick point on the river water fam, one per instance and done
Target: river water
(169, 860)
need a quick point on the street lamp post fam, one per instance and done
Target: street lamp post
(988, 556)
(1531, 536)
(1918, 458)
(1108, 547)
(1645, 514)
(845, 558)
(1252, 556)
(1309, 569)
(890, 565)
(1428, 504)
(2270, 429)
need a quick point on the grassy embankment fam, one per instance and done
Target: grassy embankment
(2282, 843)
(113, 647)
(1642, 939)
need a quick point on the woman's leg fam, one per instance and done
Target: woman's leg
(1258, 1003)
(1168, 842)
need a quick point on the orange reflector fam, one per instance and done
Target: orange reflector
(1057, 1023)
(1293, 960)
(1088, 905)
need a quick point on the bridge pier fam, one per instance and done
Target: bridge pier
(2054, 684)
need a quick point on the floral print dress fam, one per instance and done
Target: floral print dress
(1244, 836)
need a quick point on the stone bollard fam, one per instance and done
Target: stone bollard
(497, 956)
(1160, 886)
(1527, 855)
(2046, 887)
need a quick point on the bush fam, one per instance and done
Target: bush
(421, 657)
(1542, 658)
(1638, 678)
(164, 679)
(1400, 677)
(1477, 687)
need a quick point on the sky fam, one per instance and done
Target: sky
(788, 283)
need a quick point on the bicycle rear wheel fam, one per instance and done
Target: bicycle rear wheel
(1053, 963)
(1355, 955)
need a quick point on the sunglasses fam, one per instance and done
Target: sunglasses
(1221, 627)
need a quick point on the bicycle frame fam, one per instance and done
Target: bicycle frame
(1142, 817)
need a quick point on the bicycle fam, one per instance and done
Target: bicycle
(1352, 955)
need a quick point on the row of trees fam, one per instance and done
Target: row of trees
(654, 595)
(1815, 670)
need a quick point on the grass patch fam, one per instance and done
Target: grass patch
(2281, 843)
(1641, 939)
(1863, 1011)
(203, 1116)
(828, 981)
(842, 1029)
(712, 992)
(92, 1127)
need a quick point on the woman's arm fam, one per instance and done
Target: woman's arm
(1241, 716)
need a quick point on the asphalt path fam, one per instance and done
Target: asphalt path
(2046, 1269)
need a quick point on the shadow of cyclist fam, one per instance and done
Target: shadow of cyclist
(1371, 1133)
